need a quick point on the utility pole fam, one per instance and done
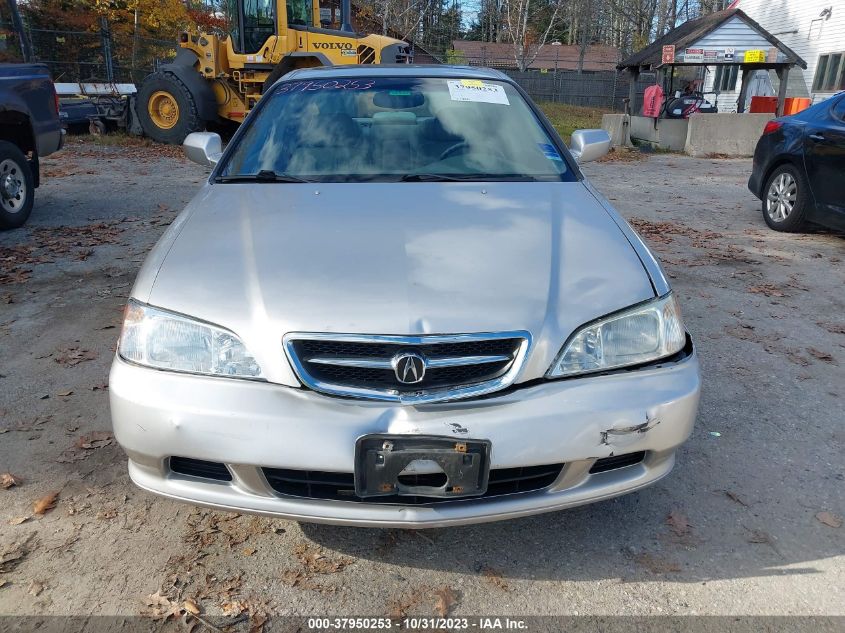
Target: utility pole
(17, 24)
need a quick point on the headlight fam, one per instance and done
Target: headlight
(639, 335)
(164, 340)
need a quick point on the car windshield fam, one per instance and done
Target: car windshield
(390, 129)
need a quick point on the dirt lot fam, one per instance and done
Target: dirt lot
(749, 523)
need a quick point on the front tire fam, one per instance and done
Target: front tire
(17, 187)
(166, 109)
(786, 199)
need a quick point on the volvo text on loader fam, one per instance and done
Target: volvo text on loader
(214, 77)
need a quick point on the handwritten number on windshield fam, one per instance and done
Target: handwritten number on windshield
(312, 86)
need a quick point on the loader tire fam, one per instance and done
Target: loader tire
(166, 109)
(17, 187)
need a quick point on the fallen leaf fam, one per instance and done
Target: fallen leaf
(678, 523)
(72, 356)
(161, 607)
(64, 393)
(315, 562)
(19, 520)
(14, 555)
(3, 583)
(833, 328)
(257, 620)
(829, 519)
(45, 503)
(35, 587)
(233, 608)
(494, 577)
(7, 480)
(735, 497)
(767, 290)
(68, 457)
(445, 599)
(763, 537)
(249, 551)
(97, 439)
(191, 606)
(293, 577)
(817, 353)
(796, 358)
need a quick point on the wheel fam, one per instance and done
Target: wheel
(17, 187)
(96, 127)
(785, 199)
(166, 109)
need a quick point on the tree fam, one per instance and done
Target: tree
(521, 28)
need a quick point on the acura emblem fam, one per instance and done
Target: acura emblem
(409, 368)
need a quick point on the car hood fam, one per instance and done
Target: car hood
(395, 258)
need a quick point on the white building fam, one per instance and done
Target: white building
(814, 29)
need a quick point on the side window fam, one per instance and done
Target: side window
(259, 24)
(299, 12)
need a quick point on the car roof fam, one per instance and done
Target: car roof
(397, 70)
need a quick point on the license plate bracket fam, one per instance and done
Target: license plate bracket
(380, 459)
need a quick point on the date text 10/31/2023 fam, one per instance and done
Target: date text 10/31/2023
(418, 623)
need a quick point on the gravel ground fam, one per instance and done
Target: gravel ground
(747, 523)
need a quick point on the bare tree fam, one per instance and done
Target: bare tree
(520, 20)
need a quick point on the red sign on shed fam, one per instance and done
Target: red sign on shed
(669, 54)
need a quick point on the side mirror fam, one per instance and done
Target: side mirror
(587, 145)
(203, 148)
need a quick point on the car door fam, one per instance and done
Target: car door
(824, 157)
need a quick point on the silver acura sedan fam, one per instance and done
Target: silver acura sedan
(398, 302)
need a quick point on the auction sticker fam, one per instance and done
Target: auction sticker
(478, 91)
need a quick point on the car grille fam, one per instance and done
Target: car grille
(200, 468)
(617, 461)
(312, 484)
(376, 367)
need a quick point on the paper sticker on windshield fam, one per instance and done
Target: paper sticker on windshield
(478, 91)
(549, 151)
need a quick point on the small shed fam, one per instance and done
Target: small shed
(724, 38)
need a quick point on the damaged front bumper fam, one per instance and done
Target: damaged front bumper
(252, 428)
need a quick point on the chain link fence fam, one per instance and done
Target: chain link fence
(605, 89)
(103, 56)
(89, 56)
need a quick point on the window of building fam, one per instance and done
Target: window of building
(830, 73)
(725, 79)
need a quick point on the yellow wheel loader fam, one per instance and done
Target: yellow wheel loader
(214, 77)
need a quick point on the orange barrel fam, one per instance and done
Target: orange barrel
(792, 105)
(764, 104)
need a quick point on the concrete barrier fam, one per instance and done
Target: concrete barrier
(669, 134)
(618, 126)
(730, 134)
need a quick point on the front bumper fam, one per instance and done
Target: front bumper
(249, 425)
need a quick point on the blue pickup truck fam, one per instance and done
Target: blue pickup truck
(29, 130)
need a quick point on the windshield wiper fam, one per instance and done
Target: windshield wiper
(465, 178)
(265, 175)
